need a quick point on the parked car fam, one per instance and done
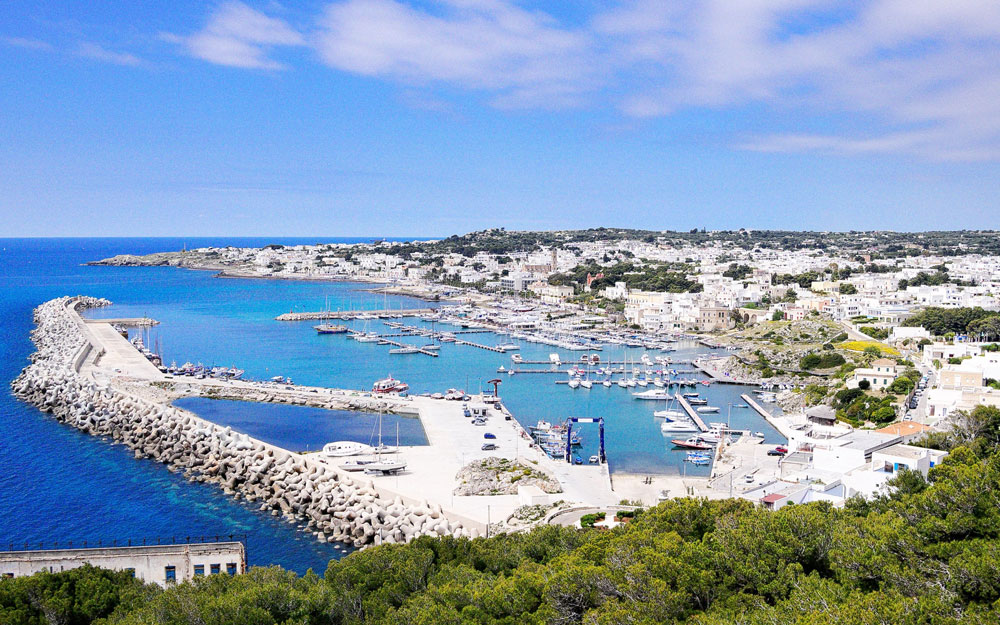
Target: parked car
(775, 452)
(782, 449)
(489, 446)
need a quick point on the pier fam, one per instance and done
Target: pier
(353, 314)
(387, 341)
(127, 322)
(498, 350)
(716, 377)
(691, 412)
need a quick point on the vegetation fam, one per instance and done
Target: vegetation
(670, 278)
(928, 552)
(940, 321)
(863, 346)
(821, 361)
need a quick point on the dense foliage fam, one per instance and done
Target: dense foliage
(941, 321)
(928, 553)
(650, 277)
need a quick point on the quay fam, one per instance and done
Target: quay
(127, 322)
(781, 425)
(387, 341)
(499, 350)
(353, 314)
(691, 412)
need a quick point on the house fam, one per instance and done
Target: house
(714, 318)
(880, 375)
(960, 376)
(909, 431)
(897, 457)
(850, 451)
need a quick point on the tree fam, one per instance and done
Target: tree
(864, 385)
(847, 288)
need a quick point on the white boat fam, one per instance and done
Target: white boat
(431, 347)
(622, 383)
(658, 383)
(642, 382)
(340, 449)
(586, 383)
(707, 409)
(370, 337)
(516, 358)
(574, 383)
(670, 414)
(694, 401)
(507, 347)
(606, 383)
(678, 427)
(390, 385)
(409, 349)
(653, 394)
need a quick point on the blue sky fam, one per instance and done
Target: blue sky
(390, 117)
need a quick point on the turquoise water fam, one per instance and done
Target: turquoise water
(58, 484)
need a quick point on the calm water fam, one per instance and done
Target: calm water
(60, 484)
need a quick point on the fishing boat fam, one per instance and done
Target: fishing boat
(326, 328)
(389, 385)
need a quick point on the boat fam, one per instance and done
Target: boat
(695, 401)
(507, 347)
(670, 414)
(382, 466)
(390, 385)
(574, 383)
(642, 382)
(516, 359)
(695, 442)
(653, 394)
(678, 426)
(690, 395)
(431, 347)
(606, 383)
(586, 383)
(706, 409)
(595, 460)
(326, 328)
(357, 464)
(409, 349)
(346, 448)
(367, 337)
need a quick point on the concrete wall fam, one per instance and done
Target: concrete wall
(150, 563)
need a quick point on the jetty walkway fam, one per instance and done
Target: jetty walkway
(354, 314)
(691, 412)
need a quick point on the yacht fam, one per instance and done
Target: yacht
(670, 414)
(697, 401)
(367, 337)
(586, 383)
(705, 409)
(654, 394)
(409, 349)
(678, 427)
(346, 448)
(516, 359)
(574, 383)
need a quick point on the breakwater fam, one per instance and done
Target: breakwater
(306, 491)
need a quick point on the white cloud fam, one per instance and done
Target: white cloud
(238, 36)
(523, 56)
(96, 52)
(26, 43)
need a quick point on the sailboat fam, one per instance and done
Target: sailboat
(381, 466)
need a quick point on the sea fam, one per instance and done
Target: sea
(58, 485)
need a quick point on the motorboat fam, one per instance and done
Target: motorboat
(409, 349)
(642, 382)
(431, 347)
(695, 442)
(670, 414)
(574, 383)
(327, 328)
(389, 385)
(653, 394)
(586, 383)
(346, 448)
(516, 359)
(707, 409)
(678, 427)
(606, 383)
(367, 337)
(695, 401)
(595, 460)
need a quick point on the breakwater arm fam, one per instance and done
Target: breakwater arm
(60, 380)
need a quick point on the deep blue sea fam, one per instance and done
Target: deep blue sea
(59, 484)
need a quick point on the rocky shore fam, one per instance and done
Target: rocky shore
(305, 491)
(499, 476)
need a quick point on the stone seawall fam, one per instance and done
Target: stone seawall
(331, 504)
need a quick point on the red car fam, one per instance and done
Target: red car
(782, 449)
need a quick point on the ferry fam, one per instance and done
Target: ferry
(389, 385)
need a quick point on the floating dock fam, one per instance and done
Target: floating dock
(691, 412)
(498, 350)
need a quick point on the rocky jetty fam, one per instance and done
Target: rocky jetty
(500, 476)
(305, 491)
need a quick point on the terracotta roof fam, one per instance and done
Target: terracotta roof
(904, 428)
(885, 362)
(772, 498)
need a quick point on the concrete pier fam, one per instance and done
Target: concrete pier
(691, 412)
(352, 314)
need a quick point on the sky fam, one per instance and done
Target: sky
(430, 118)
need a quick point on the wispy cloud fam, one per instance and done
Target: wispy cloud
(93, 51)
(525, 57)
(26, 43)
(917, 77)
(239, 36)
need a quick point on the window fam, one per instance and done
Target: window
(231, 568)
(199, 570)
(214, 568)
(170, 573)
